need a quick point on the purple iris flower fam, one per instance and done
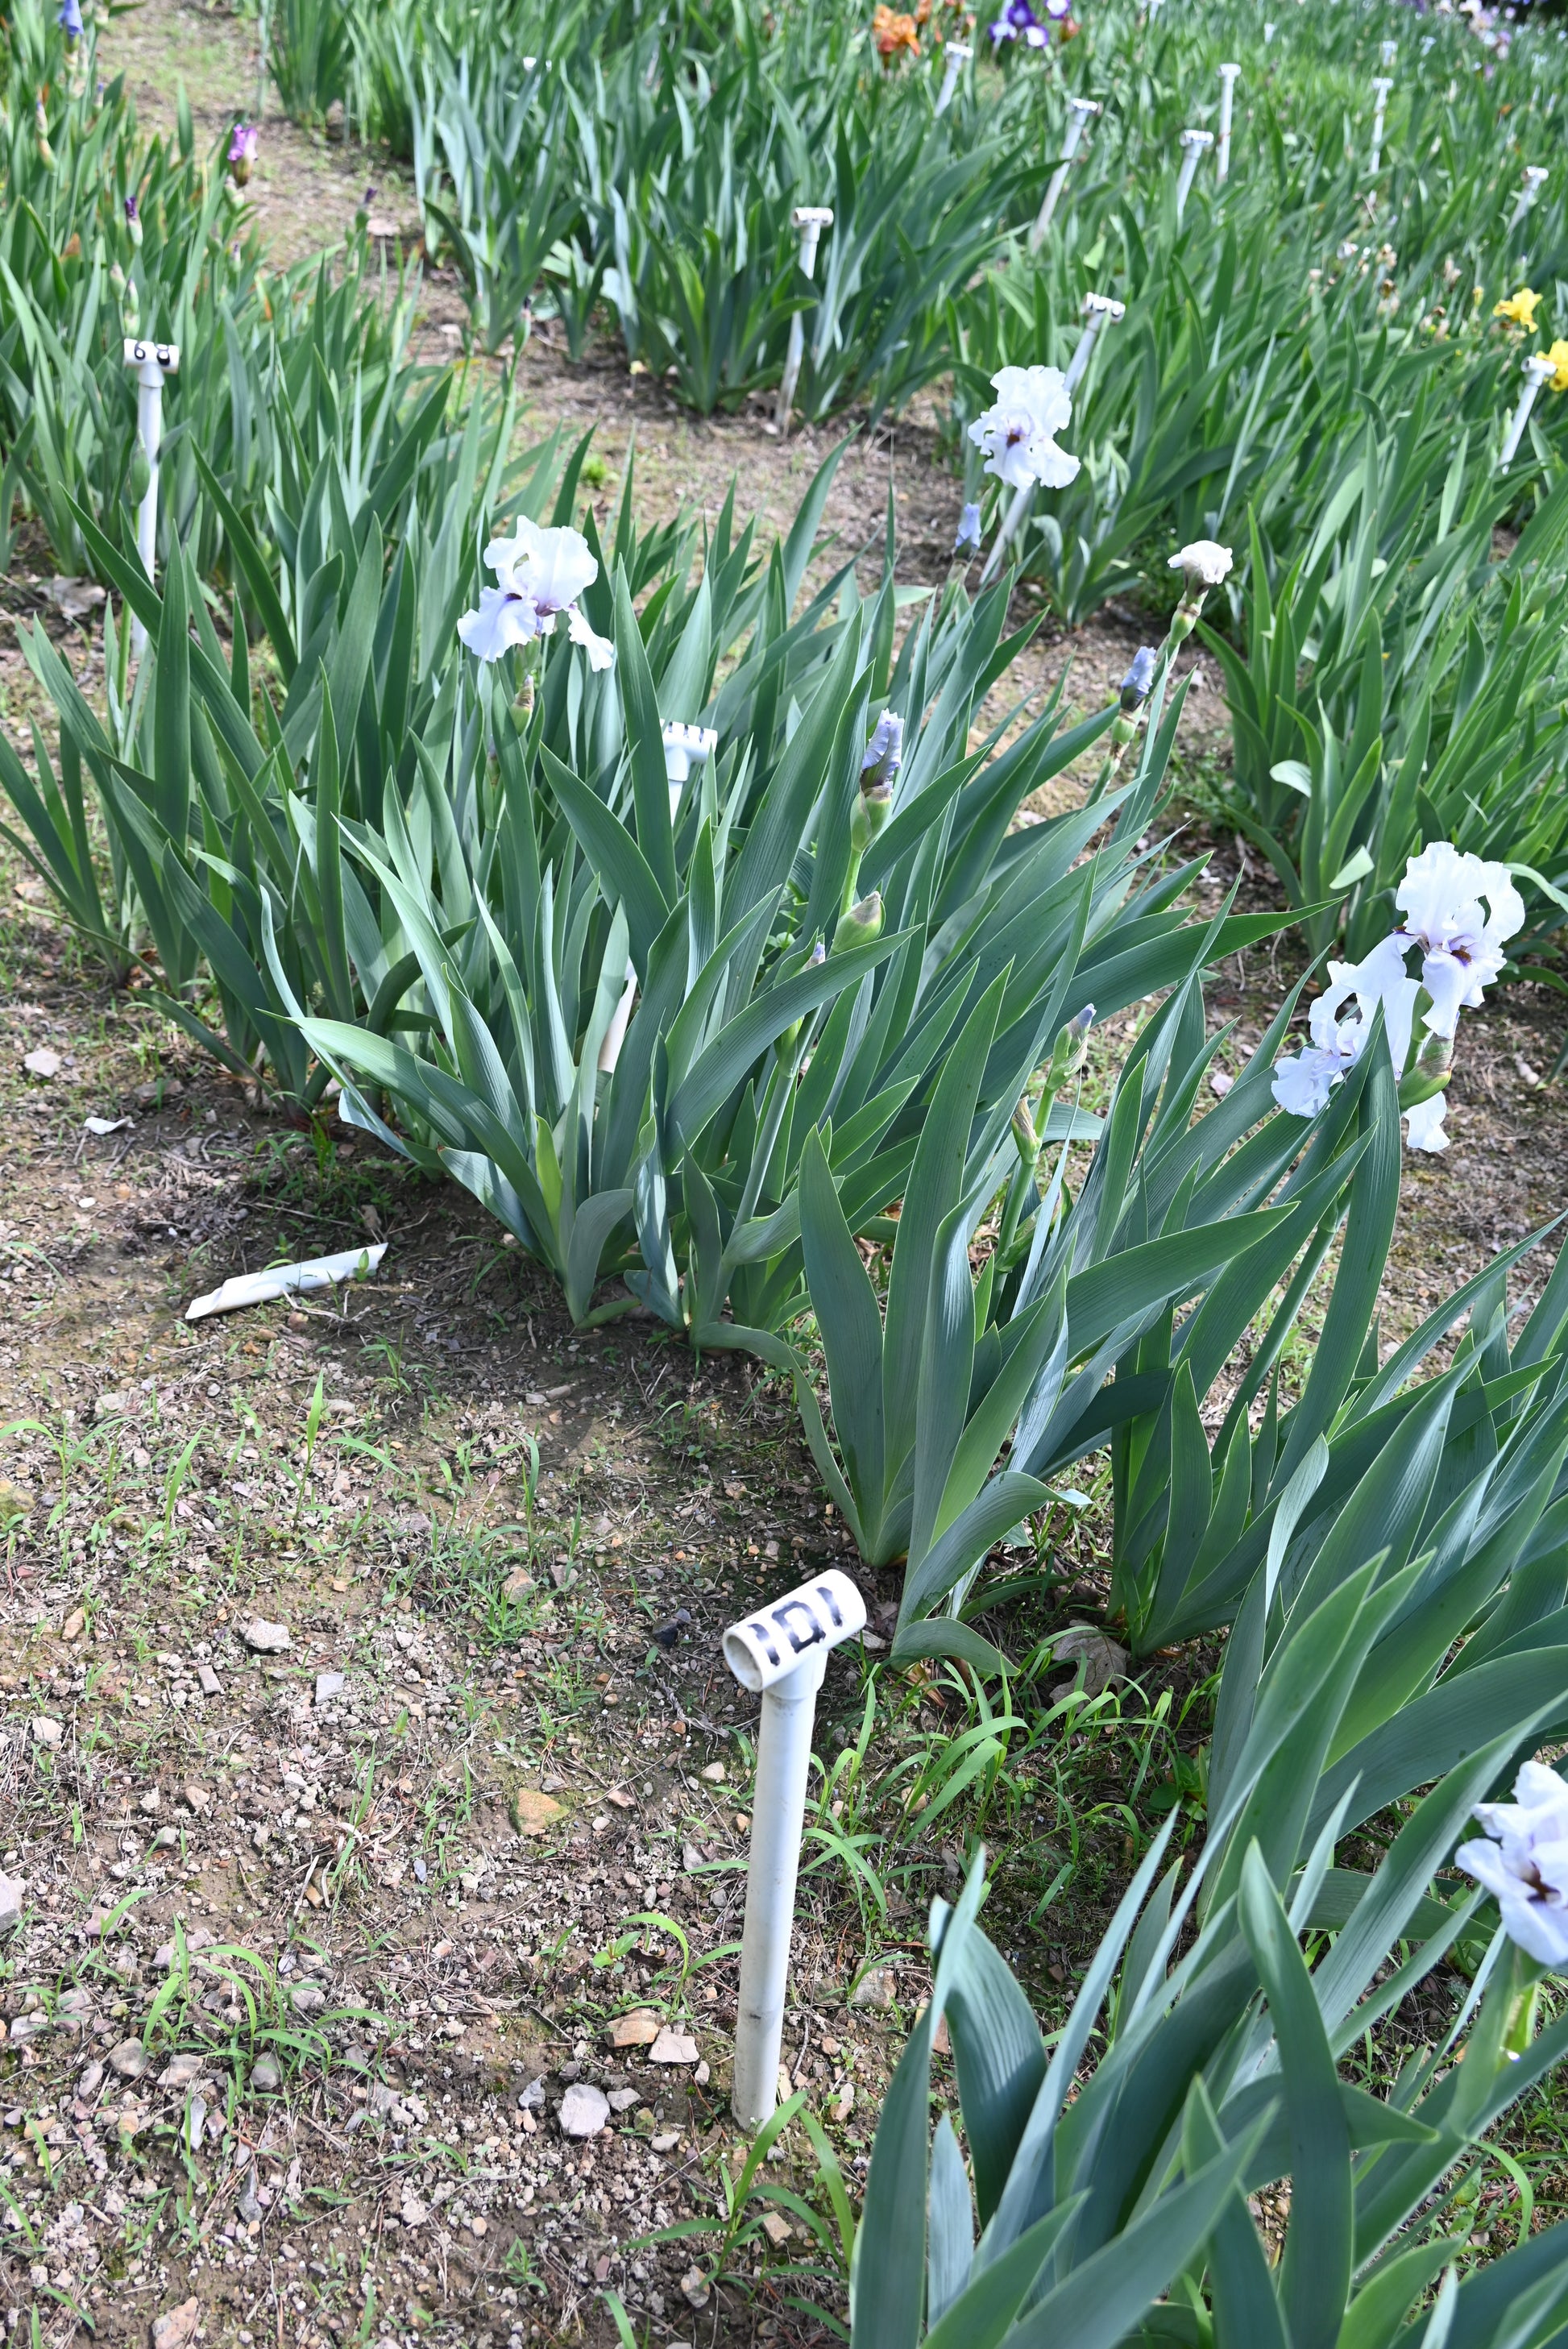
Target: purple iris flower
(243, 141)
(967, 541)
(69, 19)
(1134, 687)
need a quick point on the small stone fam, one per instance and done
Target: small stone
(776, 2227)
(583, 2110)
(531, 2098)
(111, 1406)
(714, 1774)
(667, 2142)
(307, 1998)
(178, 2327)
(329, 1684)
(197, 1799)
(701, 2074)
(517, 1584)
(878, 1988)
(638, 2029)
(90, 2081)
(694, 2288)
(531, 1810)
(414, 2212)
(673, 2046)
(74, 1624)
(846, 2104)
(249, 2204)
(266, 2074)
(623, 2099)
(129, 2059)
(166, 1840)
(47, 1731)
(265, 1639)
(152, 1800)
(210, 1683)
(182, 2072)
(42, 1062)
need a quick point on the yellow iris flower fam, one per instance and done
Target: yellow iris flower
(1558, 355)
(1520, 310)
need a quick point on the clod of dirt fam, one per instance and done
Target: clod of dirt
(583, 2110)
(531, 1810)
(265, 1639)
(173, 2329)
(878, 1988)
(673, 2046)
(667, 1634)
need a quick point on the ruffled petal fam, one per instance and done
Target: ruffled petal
(1424, 1124)
(1303, 1084)
(501, 620)
(601, 652)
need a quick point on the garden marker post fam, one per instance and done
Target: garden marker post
(1227, 101)
(152, 362)
(780, 1653)
(1194, 145)
(1535, 178)
(686, 747)
(1381, 86)
(1099, 310)
(955, 58)
(808, 221)
(1080, 113)
(1390, 55)
(1538, 369)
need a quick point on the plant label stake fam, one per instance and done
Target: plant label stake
(779, 1652)
(956, 58)
(1080, 113)
(1227, 98)
(1538, 369)
(810, 221)
(1390, 55)
(1535, 178)
(1099, 310)
(1194, 145)
(1381, 86)
(686, 747)
(152, 362)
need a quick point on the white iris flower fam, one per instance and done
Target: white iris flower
(1018, 432)
(540, 574)
(1525, 1865)
(1462, 950)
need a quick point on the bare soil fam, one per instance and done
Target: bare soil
(366, 1935)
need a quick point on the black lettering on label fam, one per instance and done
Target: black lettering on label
(825, 1593)
(760, 1634)
(792, 1607)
